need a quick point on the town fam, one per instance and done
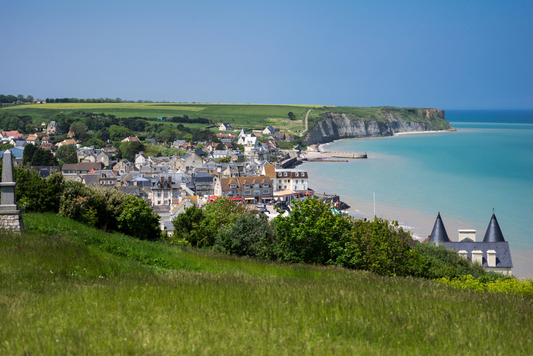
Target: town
(245, 167)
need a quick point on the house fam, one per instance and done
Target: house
(140, 159)
(131, 139)
(52, 128)
(191, 160)
(218, 154)
(48, 146)
(67, 142)
(75, 171)
(162, 191)
(134, 191)
(492, 253)
(104, 158)
(225, 127)
(228, 187)
(101, 178)
(256, 189)
(71, 133)
(203, 182)
(33, 140)
(269, 130)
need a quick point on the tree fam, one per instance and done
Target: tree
(382, 247)
(199, 146)
(291, 115)
(130, 149)
(78, 128)
(252, 235)
(224, 160)
(312, 233)
(137, 219)
(220, 147)
(118, 132)
(67, 154)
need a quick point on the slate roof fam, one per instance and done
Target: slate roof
(203, 177)
(438, 234)
(494, 233)
(503, 253)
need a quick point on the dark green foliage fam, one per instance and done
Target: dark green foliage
(137, 219)
(130, 149)
(441, 262)
(187, 225)
(109, 209)
(381, 247)
(35, 193)
(67, 154)
(251, 235)
(291, 115)
(36, 156)
(200, 227)
(312, 233)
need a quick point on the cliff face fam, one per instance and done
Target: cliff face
(337, 125)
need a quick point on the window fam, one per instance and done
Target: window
(279, 187)
(296, 174)
(247, 185)
(257, 192)
(256, 185)
(166, 195)
(265, 191)
(285, 174)
(265, 185)
(295, 187)
(247, 192)
(233, 186)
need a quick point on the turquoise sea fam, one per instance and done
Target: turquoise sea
(486, 164)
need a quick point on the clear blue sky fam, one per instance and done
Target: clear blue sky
(444, 54)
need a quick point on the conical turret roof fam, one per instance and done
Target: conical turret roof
(438, 234)
(494, 233)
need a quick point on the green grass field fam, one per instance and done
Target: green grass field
(247, 116)
(66, 289)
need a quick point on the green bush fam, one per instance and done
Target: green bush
(382, 247)
(137, 219)
(312, 233)
(251, 235)
(109, 209)
(200, 227)
(441, 262)
(35, 193)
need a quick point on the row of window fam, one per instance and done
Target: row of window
(248, 186)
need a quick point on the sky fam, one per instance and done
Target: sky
(442, 54)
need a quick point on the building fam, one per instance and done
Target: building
(225, 127)
(269, 130)
(492, 253)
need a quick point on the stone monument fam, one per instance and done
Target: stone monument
(10, 216)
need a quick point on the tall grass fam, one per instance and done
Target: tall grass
(61, 295)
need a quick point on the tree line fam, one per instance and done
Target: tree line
(313, 233)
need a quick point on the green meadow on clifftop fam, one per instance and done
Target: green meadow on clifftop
(69, 289)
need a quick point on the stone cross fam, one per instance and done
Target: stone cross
(8, 185)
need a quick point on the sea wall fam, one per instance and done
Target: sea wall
(337, 125)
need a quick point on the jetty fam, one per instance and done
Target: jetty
(329, 156)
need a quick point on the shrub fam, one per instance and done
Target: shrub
(200, 227)
(382, 247)
(441, 262)
(35, 193)
(311, 233)
(137, 219)
(505, 285)
(251, 235)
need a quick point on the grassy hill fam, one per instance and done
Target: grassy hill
(69, 289)
(247, 116)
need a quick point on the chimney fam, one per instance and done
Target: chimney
(464, 234)
(463, 254)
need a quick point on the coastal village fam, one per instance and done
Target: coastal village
(245, 167)
(249, 168)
